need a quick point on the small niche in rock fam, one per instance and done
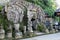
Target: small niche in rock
(32, 19)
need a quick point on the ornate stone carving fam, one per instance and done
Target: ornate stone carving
(16, 14)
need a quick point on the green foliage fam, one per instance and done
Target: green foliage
(48, 5)
(3, 19)
(0, 7)
(40, 28)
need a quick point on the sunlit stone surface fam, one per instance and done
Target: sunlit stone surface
(2, 32)
(3, 2)
(25, 13)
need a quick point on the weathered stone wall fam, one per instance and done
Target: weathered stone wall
(23, 14)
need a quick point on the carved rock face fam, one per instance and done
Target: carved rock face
(16, 9)
(15, 13)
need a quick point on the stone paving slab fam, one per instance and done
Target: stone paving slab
(40, 33)
(55, 36)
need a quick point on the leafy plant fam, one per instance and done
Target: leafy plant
(40, 28)
(47, 5)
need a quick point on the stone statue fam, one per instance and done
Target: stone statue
(15, 15)
(2, 32)
(23, 14)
